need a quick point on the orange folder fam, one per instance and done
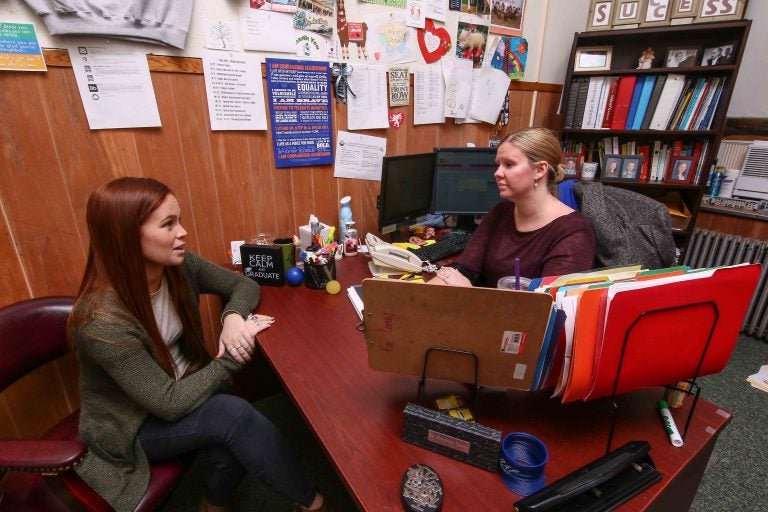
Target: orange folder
(667, 345)
(587, 332)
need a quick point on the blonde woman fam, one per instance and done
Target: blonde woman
(532, 225)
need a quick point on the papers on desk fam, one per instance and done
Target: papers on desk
(759, 380)
(355, 294)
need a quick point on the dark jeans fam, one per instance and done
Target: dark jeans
(237, 440)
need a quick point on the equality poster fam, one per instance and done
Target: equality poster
(300, 109)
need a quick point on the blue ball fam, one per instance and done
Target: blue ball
(294, 276)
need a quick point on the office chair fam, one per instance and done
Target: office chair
(630, 228)
(37, 474)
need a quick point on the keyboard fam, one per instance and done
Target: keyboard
(448, 245)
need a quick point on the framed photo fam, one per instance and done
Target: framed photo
(721, 11)
(593, 58)
(719, 55)
(630, 167)
(679, 170)
(656, 12)
(600, 14)
(628, 11)
(682, 57)
(571, 165)
(612, 168)
(685, 8)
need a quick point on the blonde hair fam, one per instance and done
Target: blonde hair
(540, 145)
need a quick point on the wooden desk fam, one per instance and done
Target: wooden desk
(356, 413)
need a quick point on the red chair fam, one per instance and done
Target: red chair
(37, 474)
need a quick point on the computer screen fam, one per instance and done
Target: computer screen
(464, 182)
(406, 190)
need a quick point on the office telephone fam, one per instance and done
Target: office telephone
(388, 255)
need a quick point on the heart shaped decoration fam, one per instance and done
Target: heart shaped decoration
(396, 119)
(434, 42)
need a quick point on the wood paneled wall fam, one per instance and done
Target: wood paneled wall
(226, 182)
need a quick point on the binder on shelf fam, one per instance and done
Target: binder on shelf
(623, 100)
(611, 103)
(673, 87)
(506, 329)
(645, 98)
(581, 101)
(636, 91)
(657, 88)
(592, 103)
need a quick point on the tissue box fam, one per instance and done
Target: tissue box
(305, 234)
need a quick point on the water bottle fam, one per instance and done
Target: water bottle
(345, 215)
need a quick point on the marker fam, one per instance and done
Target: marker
(669, 424)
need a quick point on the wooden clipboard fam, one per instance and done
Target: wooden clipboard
(504, 328)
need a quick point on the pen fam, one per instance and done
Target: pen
(669, 424)
(517, 273)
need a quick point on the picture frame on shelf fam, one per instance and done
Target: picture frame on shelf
(627, 12)
(684, 8)
(720, 55)
(720, 11)
(656, 13)
(589, 170)
(600, 15)
(682, 57)
(593, 58)
(571, 165)
(630, 167)
(612, 167)
(679, 170)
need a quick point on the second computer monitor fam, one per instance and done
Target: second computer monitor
(464, 182)
(406, 190)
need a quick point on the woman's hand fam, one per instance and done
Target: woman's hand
(236, 338)
(451, 277)
(257, 323)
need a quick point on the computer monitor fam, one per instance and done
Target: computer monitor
(464, 182)
(406, 190)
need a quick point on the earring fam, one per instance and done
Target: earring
(535, 183)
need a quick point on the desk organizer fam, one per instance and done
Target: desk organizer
(464, 441)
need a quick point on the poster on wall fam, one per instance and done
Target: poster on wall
(300, 109)
(315, 16)
(114, 83)
(234, 91)
(19, 48)
(507, 17)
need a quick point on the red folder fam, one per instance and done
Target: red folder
(667, 345)
(623, 101)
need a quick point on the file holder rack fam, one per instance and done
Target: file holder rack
(692, 381)
(423, 378)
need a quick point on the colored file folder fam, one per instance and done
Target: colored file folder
(656, 332)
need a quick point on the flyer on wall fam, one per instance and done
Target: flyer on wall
(300, 109)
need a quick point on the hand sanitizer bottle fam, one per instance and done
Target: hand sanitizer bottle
(351, 240)
(345, 215)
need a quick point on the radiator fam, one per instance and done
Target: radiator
(710, 249)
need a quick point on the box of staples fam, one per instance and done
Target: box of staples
(462, 440)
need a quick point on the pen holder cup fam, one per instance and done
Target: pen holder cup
(317, 275)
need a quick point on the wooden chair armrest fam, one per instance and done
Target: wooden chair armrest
(40, 455)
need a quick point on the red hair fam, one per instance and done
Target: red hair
(115, 214)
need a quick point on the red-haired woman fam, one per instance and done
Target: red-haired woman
(149, 389)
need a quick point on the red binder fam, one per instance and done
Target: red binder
(666, 346)
(623, 101)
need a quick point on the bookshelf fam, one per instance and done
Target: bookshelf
(667, 114)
